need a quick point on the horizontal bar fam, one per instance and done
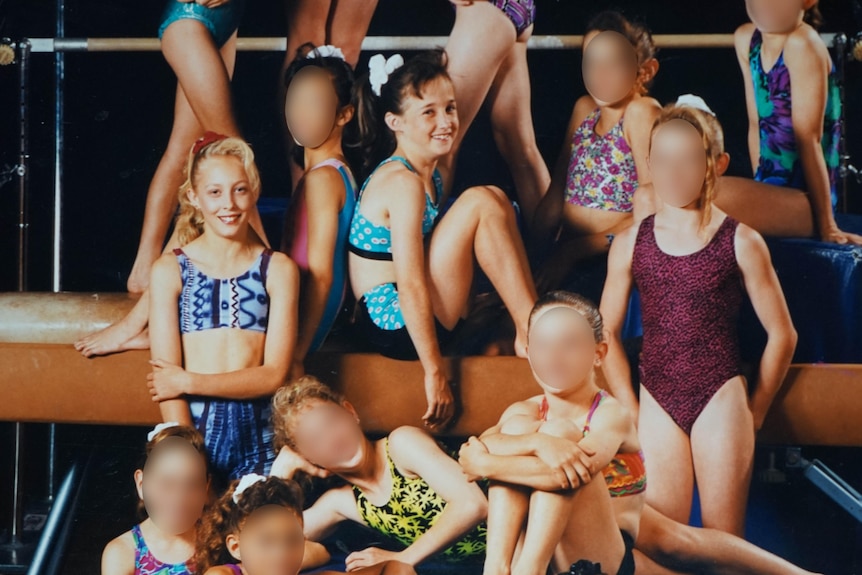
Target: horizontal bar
(371, 43)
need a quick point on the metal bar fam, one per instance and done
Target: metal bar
(840, 45)
(52, 543)
(17, 511)
(374, 43)
(59, 133)
(835, 488)
(23, 160)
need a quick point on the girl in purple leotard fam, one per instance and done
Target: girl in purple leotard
(691, 263)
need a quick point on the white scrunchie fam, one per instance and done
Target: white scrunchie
(327, 51)
(380, 68)
(245, 482)
(160, 427)
(696, 102)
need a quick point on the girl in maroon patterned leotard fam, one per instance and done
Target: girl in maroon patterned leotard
(691, 264)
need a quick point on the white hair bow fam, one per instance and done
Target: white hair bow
(159, 428)
(327, 51)
(245, 482)
(380, 68)
(696, 102)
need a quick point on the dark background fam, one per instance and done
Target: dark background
(119, 112)
(118, 118)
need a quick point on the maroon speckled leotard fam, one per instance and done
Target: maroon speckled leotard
(689, 305)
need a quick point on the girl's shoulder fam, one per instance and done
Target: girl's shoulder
(640, 114)
(805, 43)
(394, 176)
(118, 556)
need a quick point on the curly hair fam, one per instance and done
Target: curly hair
(225, 517)
(190, 221)
(292, 399)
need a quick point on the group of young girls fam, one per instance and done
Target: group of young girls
(567, 480)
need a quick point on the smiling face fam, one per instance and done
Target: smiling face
(678, 163)
(270, 542)
(777, 16)
(329, 435)
(562, 349)
(223, 194)
(311, 107)
(429, 121)
(173, 485)
(610, 67)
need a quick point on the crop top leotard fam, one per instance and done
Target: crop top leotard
(372, 241)
(211, 303)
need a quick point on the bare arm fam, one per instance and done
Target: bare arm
(614, 306)
(324, 197)
(118, 558)
(807, 61)
(406, 209)
(169, 382)
(416, 453)
(639, 118)
(742, 44)
(165, 342)
(763, 288)
(330, 509)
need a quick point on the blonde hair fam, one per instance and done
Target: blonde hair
(712, 136)
(190, 221)
(292, 399)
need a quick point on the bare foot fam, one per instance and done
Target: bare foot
(117, 337)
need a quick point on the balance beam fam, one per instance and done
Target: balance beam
(45, 380)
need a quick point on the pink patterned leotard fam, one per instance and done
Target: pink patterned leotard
(602, 173)
(690, 306)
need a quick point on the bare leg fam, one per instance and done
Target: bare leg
(704, 550)
(481, 225)
(203, 102)
(722, 442)
(480, 40)
(771, 210)
(576, 525)
(669, 464)
(128, 333)
(512, 122)
(507, 513)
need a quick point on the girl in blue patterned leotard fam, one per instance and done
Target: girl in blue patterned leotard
(223, 313)
(794, 127)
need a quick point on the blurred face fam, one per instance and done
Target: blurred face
(271, 542)
(429, 122)
(610, 67)
(677, 162)
(562, 349)
(173, 485)
(329, 436)
(777, 16)
(311, 107)
(223, 195)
